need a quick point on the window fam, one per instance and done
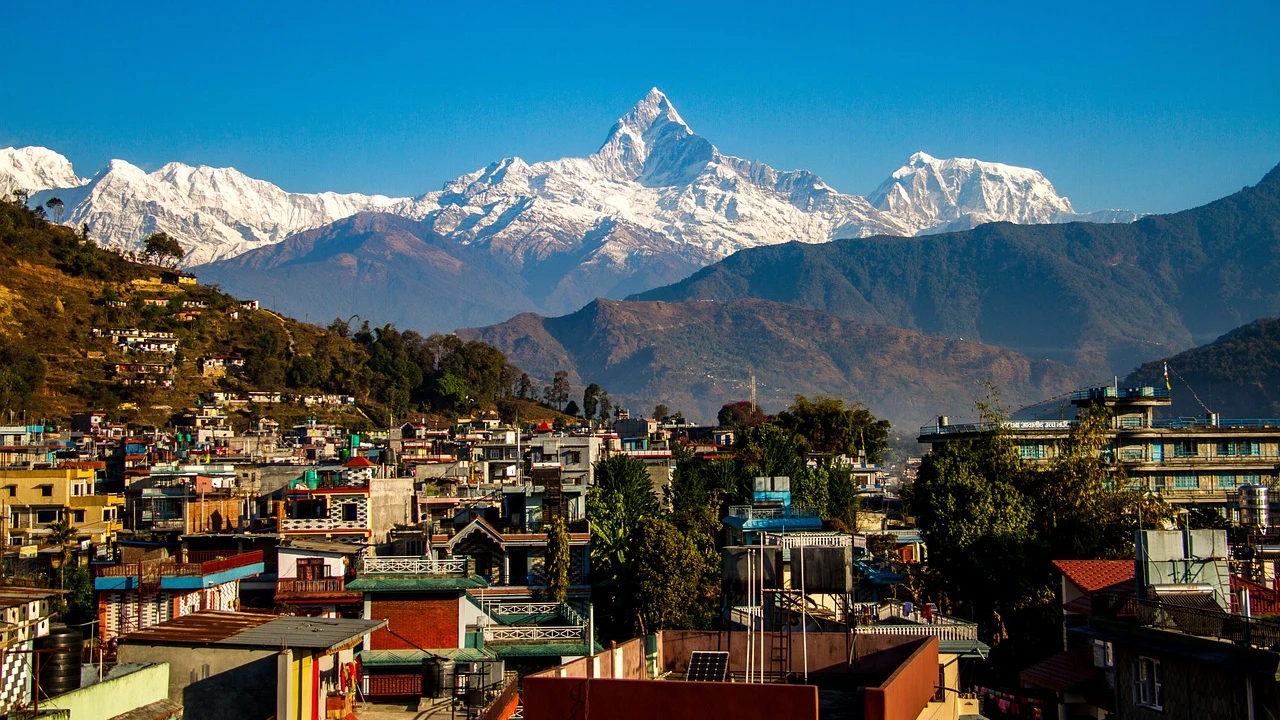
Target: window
(1186, 448)
(1226, 481)
(13, 490)
(1158, 482)
(78, 516)
(1033, 451)
(1185, 482)
(1131, 421)
(1103, 654)
(348, 512)
(1146, 683)
(312, 569)
(44, 517)
(46, 491)
(108, 514)
(1250, 479)
(1233, 448)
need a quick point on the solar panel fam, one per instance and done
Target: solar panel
(708, 666)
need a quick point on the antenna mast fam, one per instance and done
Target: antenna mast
(753, 393)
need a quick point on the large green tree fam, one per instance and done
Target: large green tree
(620, 500)
(830, 427)
(668, 577)
(557, 563)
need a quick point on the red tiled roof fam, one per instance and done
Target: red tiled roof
(1093, 575)
(359, 461)
(1063, 671)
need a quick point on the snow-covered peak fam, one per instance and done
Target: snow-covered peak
(34, 169)
(653, 145)
(928, 193)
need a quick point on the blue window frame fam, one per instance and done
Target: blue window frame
(1185, 482)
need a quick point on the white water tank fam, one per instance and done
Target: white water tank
(1254, 508)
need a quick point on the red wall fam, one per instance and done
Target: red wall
(554, 698)
(908, 690)
(430, 622)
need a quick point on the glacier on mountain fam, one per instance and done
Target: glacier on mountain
(654, 186)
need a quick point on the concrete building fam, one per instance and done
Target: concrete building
(1184, 460)
(135, 596)
(32, 499)
(237, 665)
(24, 616)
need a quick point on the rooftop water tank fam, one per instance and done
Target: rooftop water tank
(1255, 510)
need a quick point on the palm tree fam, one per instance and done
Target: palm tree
(55, 205)
(62, 534)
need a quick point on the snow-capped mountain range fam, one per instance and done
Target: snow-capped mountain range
(654, 186)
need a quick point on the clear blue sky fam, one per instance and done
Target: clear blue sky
(1156, 107)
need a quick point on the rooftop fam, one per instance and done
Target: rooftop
(249, 630)
(1093, 575)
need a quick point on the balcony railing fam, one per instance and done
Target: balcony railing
(1202, 622)
(412, 565)
(780, 513)
(564, 610)
(1013, 426)
(165, 568)
(1138, 393)
(534, 634)
(807, 539)
(323, 586)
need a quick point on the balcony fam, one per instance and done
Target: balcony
(1020, 426)
(892, 618)
(323, 590)
(1111, 392)
(201, 570)
(413, 565)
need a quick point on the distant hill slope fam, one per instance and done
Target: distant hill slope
(1103, 298)
(1237, 375)
(56, 288)
(696, 356)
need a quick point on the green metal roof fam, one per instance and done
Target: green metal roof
(374, 583)
(393, 658)
(970, 648)
(541, 650)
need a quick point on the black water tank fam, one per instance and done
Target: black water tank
(59, 658)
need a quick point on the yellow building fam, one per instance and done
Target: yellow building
(32, 499)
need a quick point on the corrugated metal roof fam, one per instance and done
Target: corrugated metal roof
(386, 658)
(305, 632)
(247, 629)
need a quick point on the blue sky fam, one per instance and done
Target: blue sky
(1155, 107)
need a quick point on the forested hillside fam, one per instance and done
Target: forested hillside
(57, 287)
(1102, 298)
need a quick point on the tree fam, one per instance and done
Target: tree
(737, 415)
(524, 387)
(829, 427)
(572, 408)
(606, 407)
(557, 393)
(62, 534)
(660, 412)
(557, 563)
(590, 401)
(621, 498)
(667, 576)
(55, 206)
(160, 246)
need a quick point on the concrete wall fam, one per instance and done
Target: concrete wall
(554, 698)
(391, 501)
(214, 682)
(114, 695)
(288, 562)
(908, 689)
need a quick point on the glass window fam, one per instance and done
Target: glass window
(1185, 482)
(1226, 481)
(1158, 482)
(1033, 451)
(1250, 479)
(1186, 448)
(46, 516)
(1146, 683)
(78, 515)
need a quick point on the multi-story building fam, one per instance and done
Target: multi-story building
(32, 499)
(1185, 460)
(312, 576)
(24, 616)
(575, 454)
(137, 595)
(353, 505)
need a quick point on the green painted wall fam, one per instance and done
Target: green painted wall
(115, 696)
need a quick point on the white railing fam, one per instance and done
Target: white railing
(772, 513)
(320, 524)
(942, 632)
(413, 565)
(533, 633)
(808, 539)
(524, 608)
